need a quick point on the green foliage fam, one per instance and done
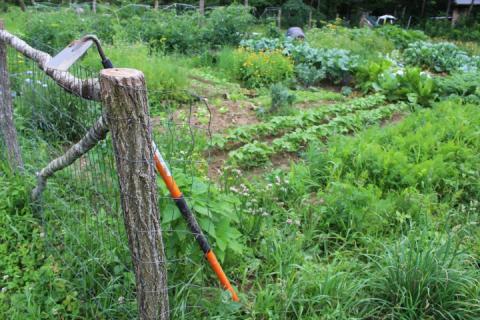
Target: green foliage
(31, 283)
(52, 31)
(59, 116)
(215, 213)
(335, 64)
(401, 37)
(256, 153)
(408, 84)
(439, 57)
(459, 84)
(308, 76)
(281, 99)
(258, 69)
(165, 77)
(279, 125)
(368, 76)
(295, 13)
(190, 32)
(431, 151)
(366, 43)
(227, 25)
(465, 29)
(421, 278)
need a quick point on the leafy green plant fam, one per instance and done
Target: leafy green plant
(281, 99)
(439, 57)
(257, 69)
(459, 84)
(408, 84)
(335, 64)
(309, 76)
(368, 76)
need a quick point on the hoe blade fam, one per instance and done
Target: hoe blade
(68, 56)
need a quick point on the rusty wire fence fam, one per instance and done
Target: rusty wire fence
(80, 210)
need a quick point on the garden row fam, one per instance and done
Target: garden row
(257, 153)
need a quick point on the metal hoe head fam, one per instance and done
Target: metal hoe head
(68, 56)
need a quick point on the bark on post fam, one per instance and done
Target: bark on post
(124, 98)
(6, 113)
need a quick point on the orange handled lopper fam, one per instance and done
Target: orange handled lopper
(192, 223)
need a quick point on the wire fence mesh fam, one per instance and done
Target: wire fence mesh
(82, 220)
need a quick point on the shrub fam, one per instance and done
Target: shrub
(466, 29)
(258, 69)
(439, 57)
(51, 31)
(295, 13)
(227, 25)
(190, 32)
(167, 32)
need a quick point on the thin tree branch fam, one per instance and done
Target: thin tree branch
(96, 133)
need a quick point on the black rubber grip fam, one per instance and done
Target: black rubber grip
(192, 223)
(107, 64)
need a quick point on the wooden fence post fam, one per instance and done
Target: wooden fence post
(279, 18)
(6, 112)
(124, 98)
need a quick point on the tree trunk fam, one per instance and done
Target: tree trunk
(21, 3)
(6, 112)
(449, 5)
(94, 6)
(470, 8)
(245, 3)
(124, 98)
(155, 5)
(201, 7)
(424, 4)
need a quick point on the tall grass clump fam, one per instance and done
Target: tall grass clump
(419, 278)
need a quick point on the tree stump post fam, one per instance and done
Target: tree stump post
(6, 112)
(124, 98)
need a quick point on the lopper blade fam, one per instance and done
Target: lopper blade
(68, 56)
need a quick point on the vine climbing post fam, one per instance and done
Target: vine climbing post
(6, 112)
(124, 98)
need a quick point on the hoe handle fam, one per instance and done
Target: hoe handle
(192, 223)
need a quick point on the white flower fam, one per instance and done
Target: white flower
(289, 221)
